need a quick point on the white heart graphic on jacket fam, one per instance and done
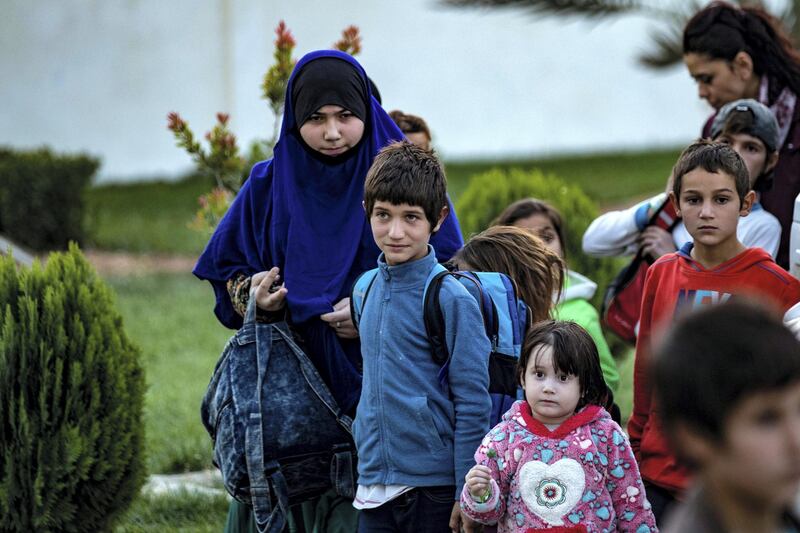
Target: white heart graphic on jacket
(551, 491)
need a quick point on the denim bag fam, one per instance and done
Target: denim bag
(279, 437)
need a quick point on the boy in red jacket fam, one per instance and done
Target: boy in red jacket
(711, 191)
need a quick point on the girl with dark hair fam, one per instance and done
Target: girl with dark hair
(296, 238)
(742, 52)
(557, 460)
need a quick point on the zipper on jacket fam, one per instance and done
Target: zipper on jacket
(380, 367)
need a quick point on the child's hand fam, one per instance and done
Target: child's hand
(478, 481)
(263, 287)
(656, 242)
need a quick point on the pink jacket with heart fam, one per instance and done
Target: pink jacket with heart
(580, 477)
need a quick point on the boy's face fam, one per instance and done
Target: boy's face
(402, 231)
(332, 130)
(710, 207)
(753, 151)
(758, 458)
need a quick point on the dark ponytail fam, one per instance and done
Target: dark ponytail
(722, 30)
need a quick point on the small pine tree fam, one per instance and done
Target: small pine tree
(71, 398)
(490, 192)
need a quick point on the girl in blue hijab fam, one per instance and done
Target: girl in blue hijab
(301, 212)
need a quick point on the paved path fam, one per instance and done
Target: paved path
(204, 482)
(124, 263)
(20, 256)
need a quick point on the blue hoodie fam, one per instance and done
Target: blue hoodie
(410, 430)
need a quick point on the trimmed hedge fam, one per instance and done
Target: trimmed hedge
(71, 399)
(490, 192)
(42, 197)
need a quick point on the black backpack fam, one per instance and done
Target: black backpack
(279, 437)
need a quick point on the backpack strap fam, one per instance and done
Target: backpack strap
(432, 314)
(510, 318)
(262, 469)
(358, 295)
(474, 283)
(434, 317)
(665, 217)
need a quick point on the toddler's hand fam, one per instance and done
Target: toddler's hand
(478, 481)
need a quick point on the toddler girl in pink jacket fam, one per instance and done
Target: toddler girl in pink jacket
(557, 462)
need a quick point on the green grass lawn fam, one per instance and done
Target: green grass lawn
(175, 513)
(624, 395)
(146, 217)
(170, 317)
(153, 216)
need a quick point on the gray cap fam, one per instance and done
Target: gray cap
(765, 127)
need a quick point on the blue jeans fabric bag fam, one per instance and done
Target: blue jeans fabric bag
(279, 437)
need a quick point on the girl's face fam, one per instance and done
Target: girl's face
(332, 130)
(552, 396)
(542, 227)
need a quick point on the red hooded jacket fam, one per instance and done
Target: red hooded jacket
(674, 284)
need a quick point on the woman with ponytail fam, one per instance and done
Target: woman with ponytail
(743, 52)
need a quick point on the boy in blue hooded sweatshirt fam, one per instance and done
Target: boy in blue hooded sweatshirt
(418, 423)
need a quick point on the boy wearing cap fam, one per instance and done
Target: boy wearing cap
(750, 128)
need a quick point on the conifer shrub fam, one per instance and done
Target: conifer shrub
(490, 192)
(71, 398)
(42, 197)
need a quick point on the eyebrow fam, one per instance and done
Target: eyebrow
(413, 211)
(716, 191)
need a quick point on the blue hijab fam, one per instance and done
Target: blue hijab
(303, 213)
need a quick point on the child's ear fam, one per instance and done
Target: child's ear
(674, 200)
(442, 215)
(747, 204)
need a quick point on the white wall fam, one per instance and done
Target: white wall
(101, 75)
